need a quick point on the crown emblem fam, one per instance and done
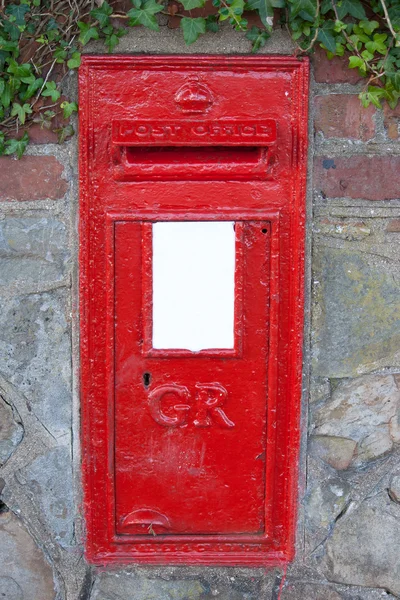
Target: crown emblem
(194, 97)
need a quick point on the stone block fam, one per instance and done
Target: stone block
(394, 489)
(31, 178)
(32, 250)
(364, 550)
(344, 229)
(364, 410)
(356, 316)
(184, 584)
(35, 356)
(309, 591)
(24, 572)
(48, 479)
(365, 177)
(11, 431)
(324, 502)
(338, 452)
(343, 116)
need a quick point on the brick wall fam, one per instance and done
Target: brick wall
(349, 517)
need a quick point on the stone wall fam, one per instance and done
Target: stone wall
(348, 542)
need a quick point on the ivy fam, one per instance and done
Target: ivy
(42, 40)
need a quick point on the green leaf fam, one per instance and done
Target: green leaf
(326, 38)
(112, 40)
(102, 14)
(68, 108)
(372, 96)
(12, 30)
(145, 15)
(396, 81)
(368, 26)
(64, 133)
(60, 54)
(356, 61)
(308, 7)
(6, 96)
(212, 23)
(7, 45)
(31, 89)
(350, 7)
(258, 38)
(75, 61)
(17, 147)
(326, 6)
(18, 11)
(19, 71)
(232, 11)
(87, 33)
(51, 91)
(189, 4)
(192, 28)
(367, 56)
(21, 111)
(266, 12)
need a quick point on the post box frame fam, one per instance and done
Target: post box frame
(97, 222)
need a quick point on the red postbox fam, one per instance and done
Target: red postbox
(192, 235)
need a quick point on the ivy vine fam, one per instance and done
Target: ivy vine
(42, 40)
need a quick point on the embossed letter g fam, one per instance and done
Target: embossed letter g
(181, 410)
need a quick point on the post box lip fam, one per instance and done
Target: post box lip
(201, 61)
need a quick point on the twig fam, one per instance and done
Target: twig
(316, 30)
(44, 83)
(388, 21)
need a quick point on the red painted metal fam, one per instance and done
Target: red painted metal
(191, 458)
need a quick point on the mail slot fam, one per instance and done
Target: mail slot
(191, 275)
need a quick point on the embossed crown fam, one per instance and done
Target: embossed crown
(194, 97)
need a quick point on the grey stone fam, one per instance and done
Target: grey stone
(394, 489)
(169, 41)
(35, 355)
(11, 431)
(365, 410)
(32, 250)
(183, 584)
(49, 480)
(364, 550)
(325, 501)
(356, 312)
(309, 591)
(347, 230)
(320, 389)
(24, 572)
(338, 452)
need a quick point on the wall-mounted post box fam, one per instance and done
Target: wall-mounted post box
(192, 227)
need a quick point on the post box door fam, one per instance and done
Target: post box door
(190, 425)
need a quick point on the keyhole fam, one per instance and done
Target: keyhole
(264, 230)
(146, 379)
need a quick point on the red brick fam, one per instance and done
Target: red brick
(335, 70)
(41, 135)
(370, 178)
(31, 178)
(343, 116)
(393, 226)
(391, 119)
